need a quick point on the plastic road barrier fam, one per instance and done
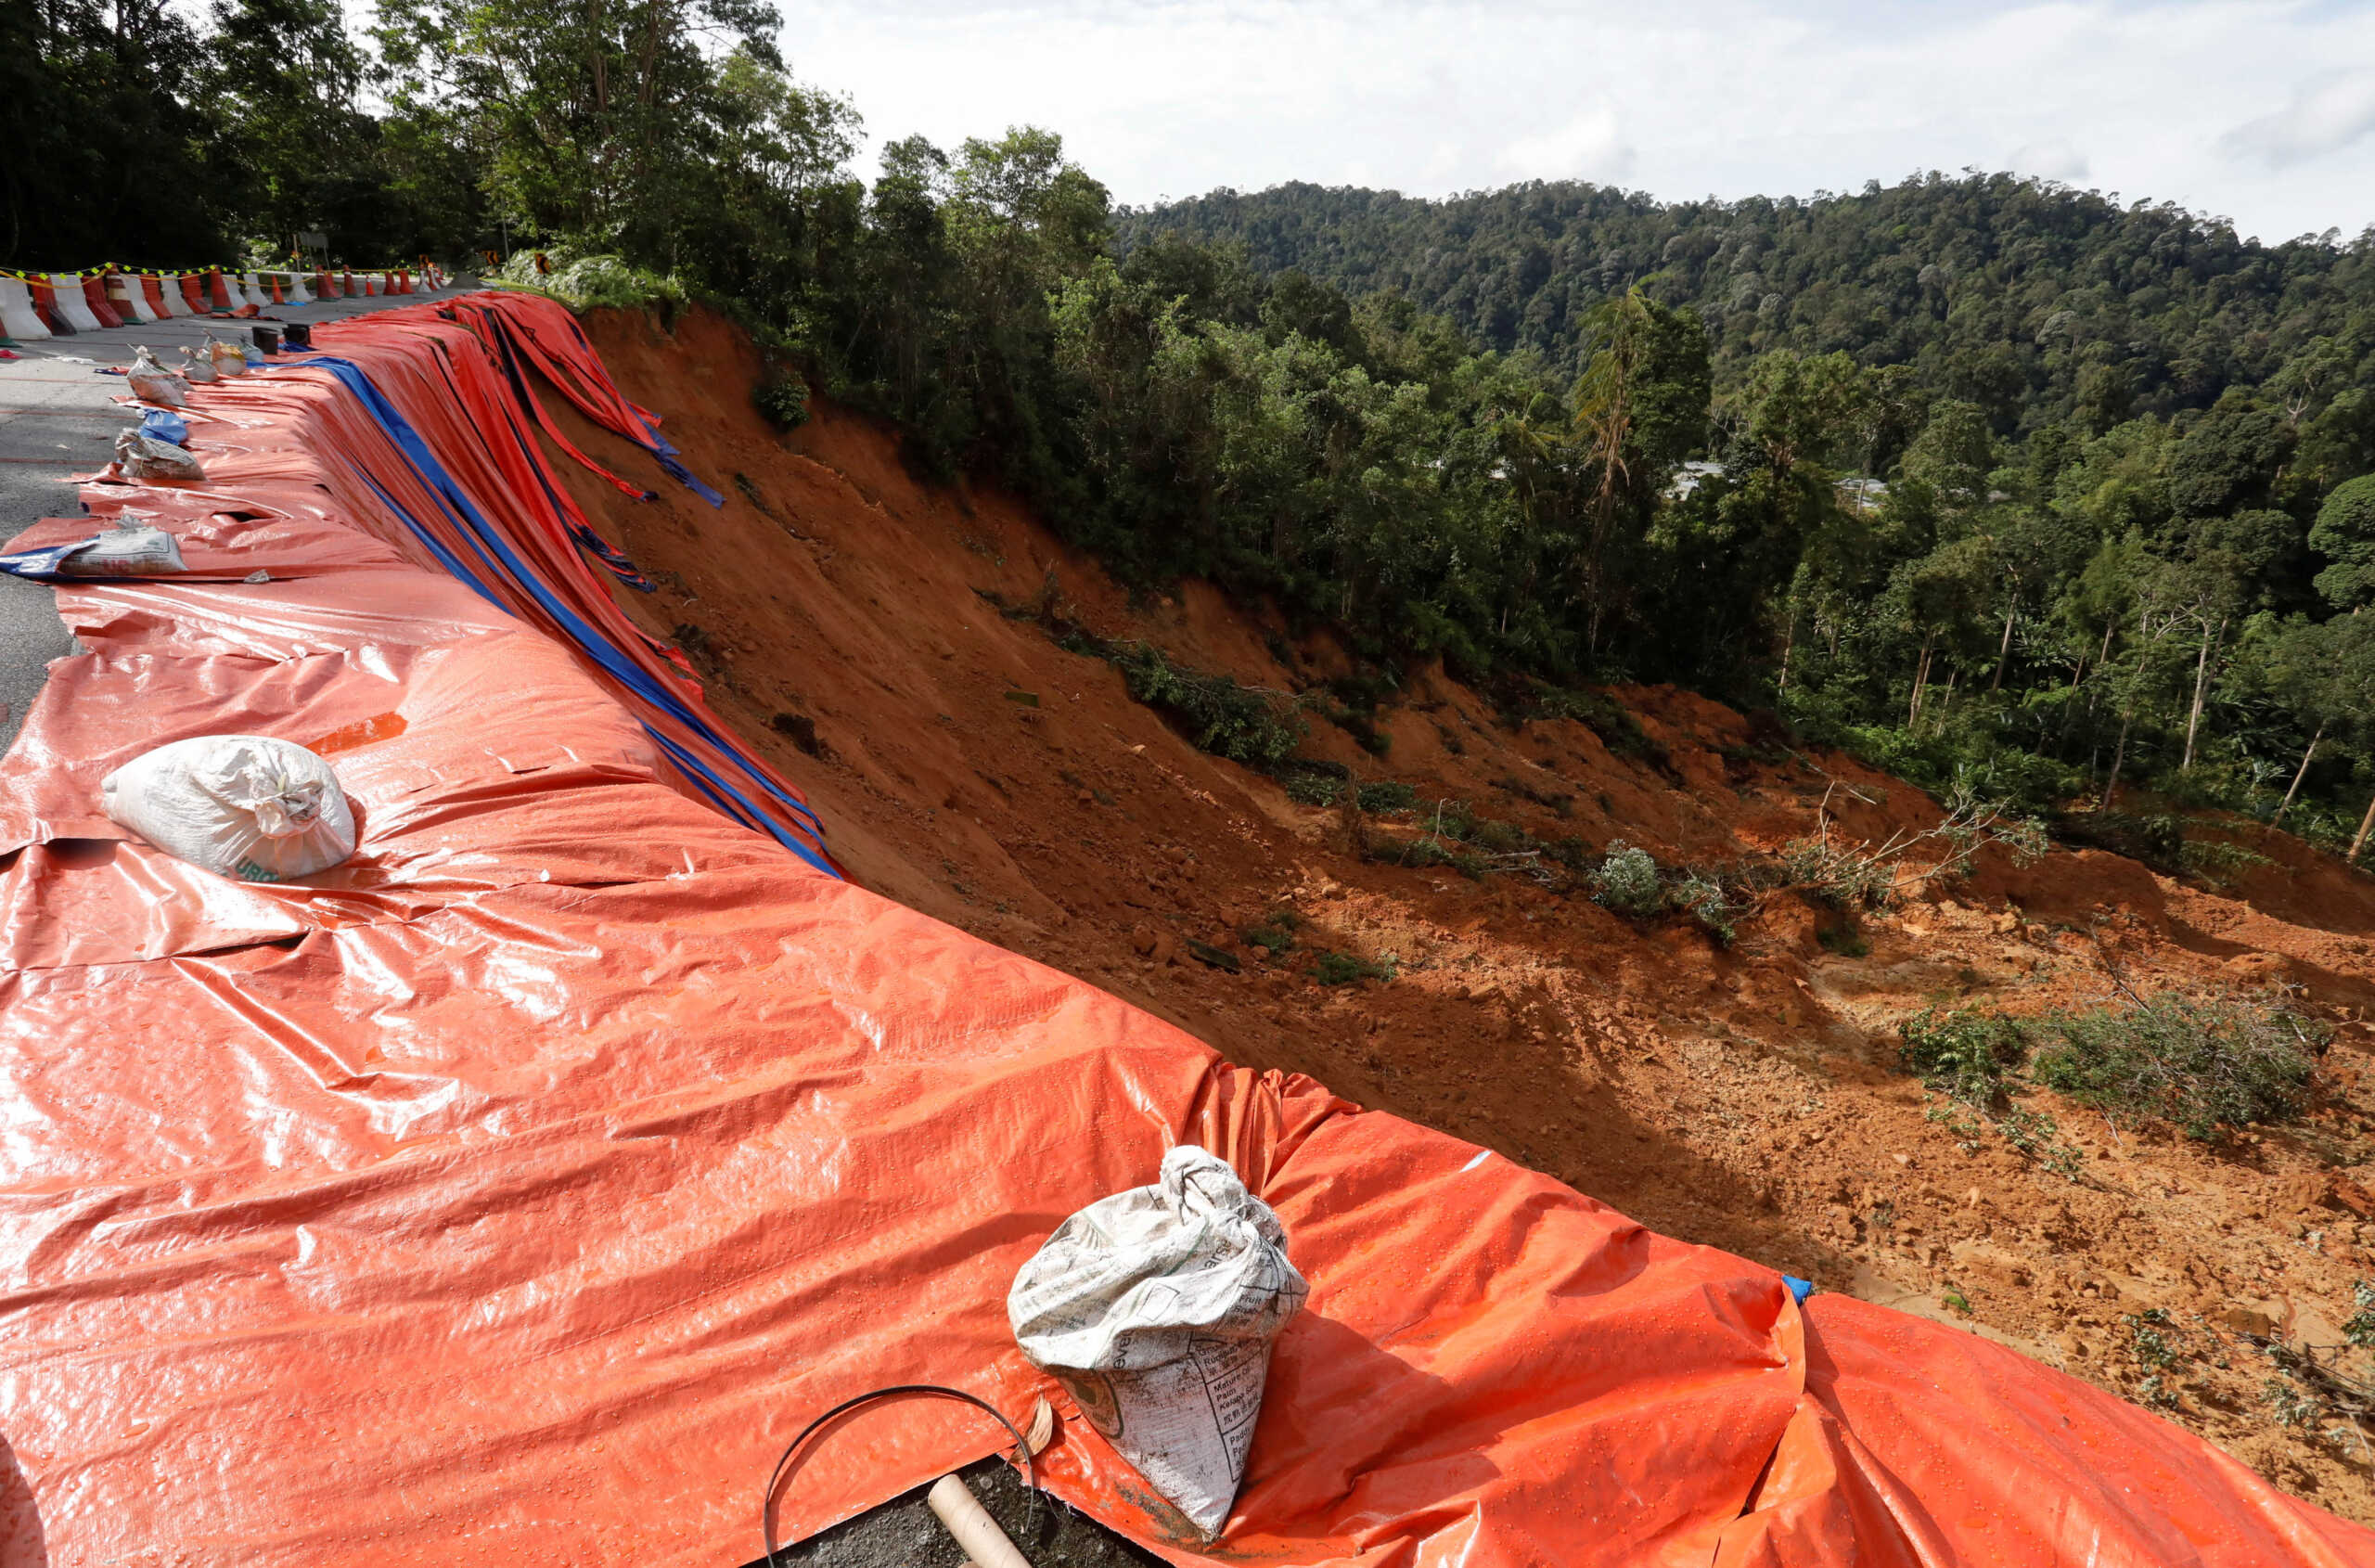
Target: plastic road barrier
(102, 308)
(18, 317)
(125, 294)
(516, 1189)
(67, 301)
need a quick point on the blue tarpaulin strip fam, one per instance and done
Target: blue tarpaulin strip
(498, 559)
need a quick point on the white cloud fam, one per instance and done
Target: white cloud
(1692, 98)
(2318, 121)
(1586, 147)
(2051, 161)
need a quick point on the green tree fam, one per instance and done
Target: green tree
(2344, 535)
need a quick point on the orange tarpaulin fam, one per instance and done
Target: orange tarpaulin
(514, 1191)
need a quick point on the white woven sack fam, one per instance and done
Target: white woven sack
(1155, 1308)
(241, 805)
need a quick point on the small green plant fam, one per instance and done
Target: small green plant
(1314, 789)
(1387, 796)
(2148, 1339)
(2206, 1066)
(1344, 969)
(1968, 1060)
(1707, 902)
(1275, 934)
(1955, 1301)
(2294, 1408)
(2358, 1328)
(1242, 723)
(1963, 1055)
(2038, 1136)
(1846, 939)
(1627, 883)
(783, 401)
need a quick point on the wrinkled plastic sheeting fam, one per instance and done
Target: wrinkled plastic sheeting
(514, 1191)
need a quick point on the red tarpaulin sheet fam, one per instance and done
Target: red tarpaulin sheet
(513, 1192)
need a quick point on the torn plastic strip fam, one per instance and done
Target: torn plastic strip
(572, 518)
(623, 417)
(509, 358)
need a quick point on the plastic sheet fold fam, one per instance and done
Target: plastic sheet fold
(512, 1192)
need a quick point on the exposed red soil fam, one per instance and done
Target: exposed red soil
(1746, 1098)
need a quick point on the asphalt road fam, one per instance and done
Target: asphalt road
(58, 417)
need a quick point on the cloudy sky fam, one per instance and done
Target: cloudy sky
(2264, 113)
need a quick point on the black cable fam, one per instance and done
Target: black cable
(774, 1477)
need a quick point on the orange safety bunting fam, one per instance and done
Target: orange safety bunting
(518, 1189)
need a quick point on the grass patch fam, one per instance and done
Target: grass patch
(1244, 724)
(1346, 969)
(1596, 710)
(1968, 1061)
(783, 401)
(1275, 934)
(2205, 1066)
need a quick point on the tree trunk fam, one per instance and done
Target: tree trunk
(2364, 824)
(1946, 703)
(1920, 679)
(2200, 681)
(1788, 643)
(2119, 757)
(2298, 774)
(2105, 653)
(2003, 650)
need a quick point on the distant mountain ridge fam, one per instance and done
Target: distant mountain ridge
(2032, 299)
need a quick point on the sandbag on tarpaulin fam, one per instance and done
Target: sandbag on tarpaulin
(514, 1191)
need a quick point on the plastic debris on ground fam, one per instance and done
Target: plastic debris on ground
(163, 424)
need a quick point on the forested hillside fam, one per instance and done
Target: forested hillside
(1993, 481)
(2033, 302)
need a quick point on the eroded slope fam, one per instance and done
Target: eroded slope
(848, 621)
